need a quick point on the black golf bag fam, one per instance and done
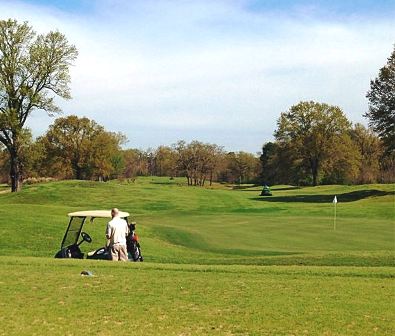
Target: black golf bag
(133, 245)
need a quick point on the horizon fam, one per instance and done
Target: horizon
(214, 71)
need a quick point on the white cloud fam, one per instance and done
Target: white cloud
(207, 70)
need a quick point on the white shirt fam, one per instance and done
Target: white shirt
(117, 230)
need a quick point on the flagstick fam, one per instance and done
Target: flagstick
(334, 220)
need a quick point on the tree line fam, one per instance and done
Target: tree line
(79, 148)
(314, 142)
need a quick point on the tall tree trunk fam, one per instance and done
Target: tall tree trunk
(314, 170)
(78, 172)
(15, 171)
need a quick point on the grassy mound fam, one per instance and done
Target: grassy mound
(219, 225)
(204, 252)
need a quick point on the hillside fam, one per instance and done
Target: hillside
(205, 251)
(218, 225)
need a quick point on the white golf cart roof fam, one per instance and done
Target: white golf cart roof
(97, 214)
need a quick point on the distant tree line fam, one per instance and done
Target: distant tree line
(79, 148)
(314, 142)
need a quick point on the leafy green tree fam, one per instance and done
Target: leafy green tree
(136, 163)
(198, 161)
(31, 155)
(343, 163)
(105, 158)
(165, 161)
(268, 170)
(213, 164)
(80, 148)
(243, 167)
(310, 130)
(387, 169)
(370, 150)
(381, 97)
(4, 166)
(278, 166)
(34, 69)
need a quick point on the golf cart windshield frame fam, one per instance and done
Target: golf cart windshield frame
(77, 221)
(73, 231)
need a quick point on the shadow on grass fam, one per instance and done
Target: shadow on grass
(285, 188)
(346, 197)
(165, 182)
(245, 187)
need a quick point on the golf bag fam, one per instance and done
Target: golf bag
(133, 245)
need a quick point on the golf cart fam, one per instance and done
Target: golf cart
(266, 191)
(74, 237)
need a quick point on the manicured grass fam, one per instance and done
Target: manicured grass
(180, 224)
(49, 297)
(218, 261)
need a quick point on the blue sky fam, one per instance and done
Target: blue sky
(215, 71)
(324, 8)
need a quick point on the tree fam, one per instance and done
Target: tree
(80, 148)
(343, 163)
(382, 104)
(105, 154)
(242, 167)
(136, 163)
(370, 150)
(278, 165)
(4, 166)
(34, 69)
(268, 171)
(31, 155)
(197, 161)
(165, 161)
(311, 130)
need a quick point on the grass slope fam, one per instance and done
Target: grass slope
(180, 224)
(204, 250)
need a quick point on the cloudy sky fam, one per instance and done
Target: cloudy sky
(218, 71)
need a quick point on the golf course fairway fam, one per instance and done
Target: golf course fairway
(219, 260)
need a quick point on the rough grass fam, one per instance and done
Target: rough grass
(50, 297)
(218, 261)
